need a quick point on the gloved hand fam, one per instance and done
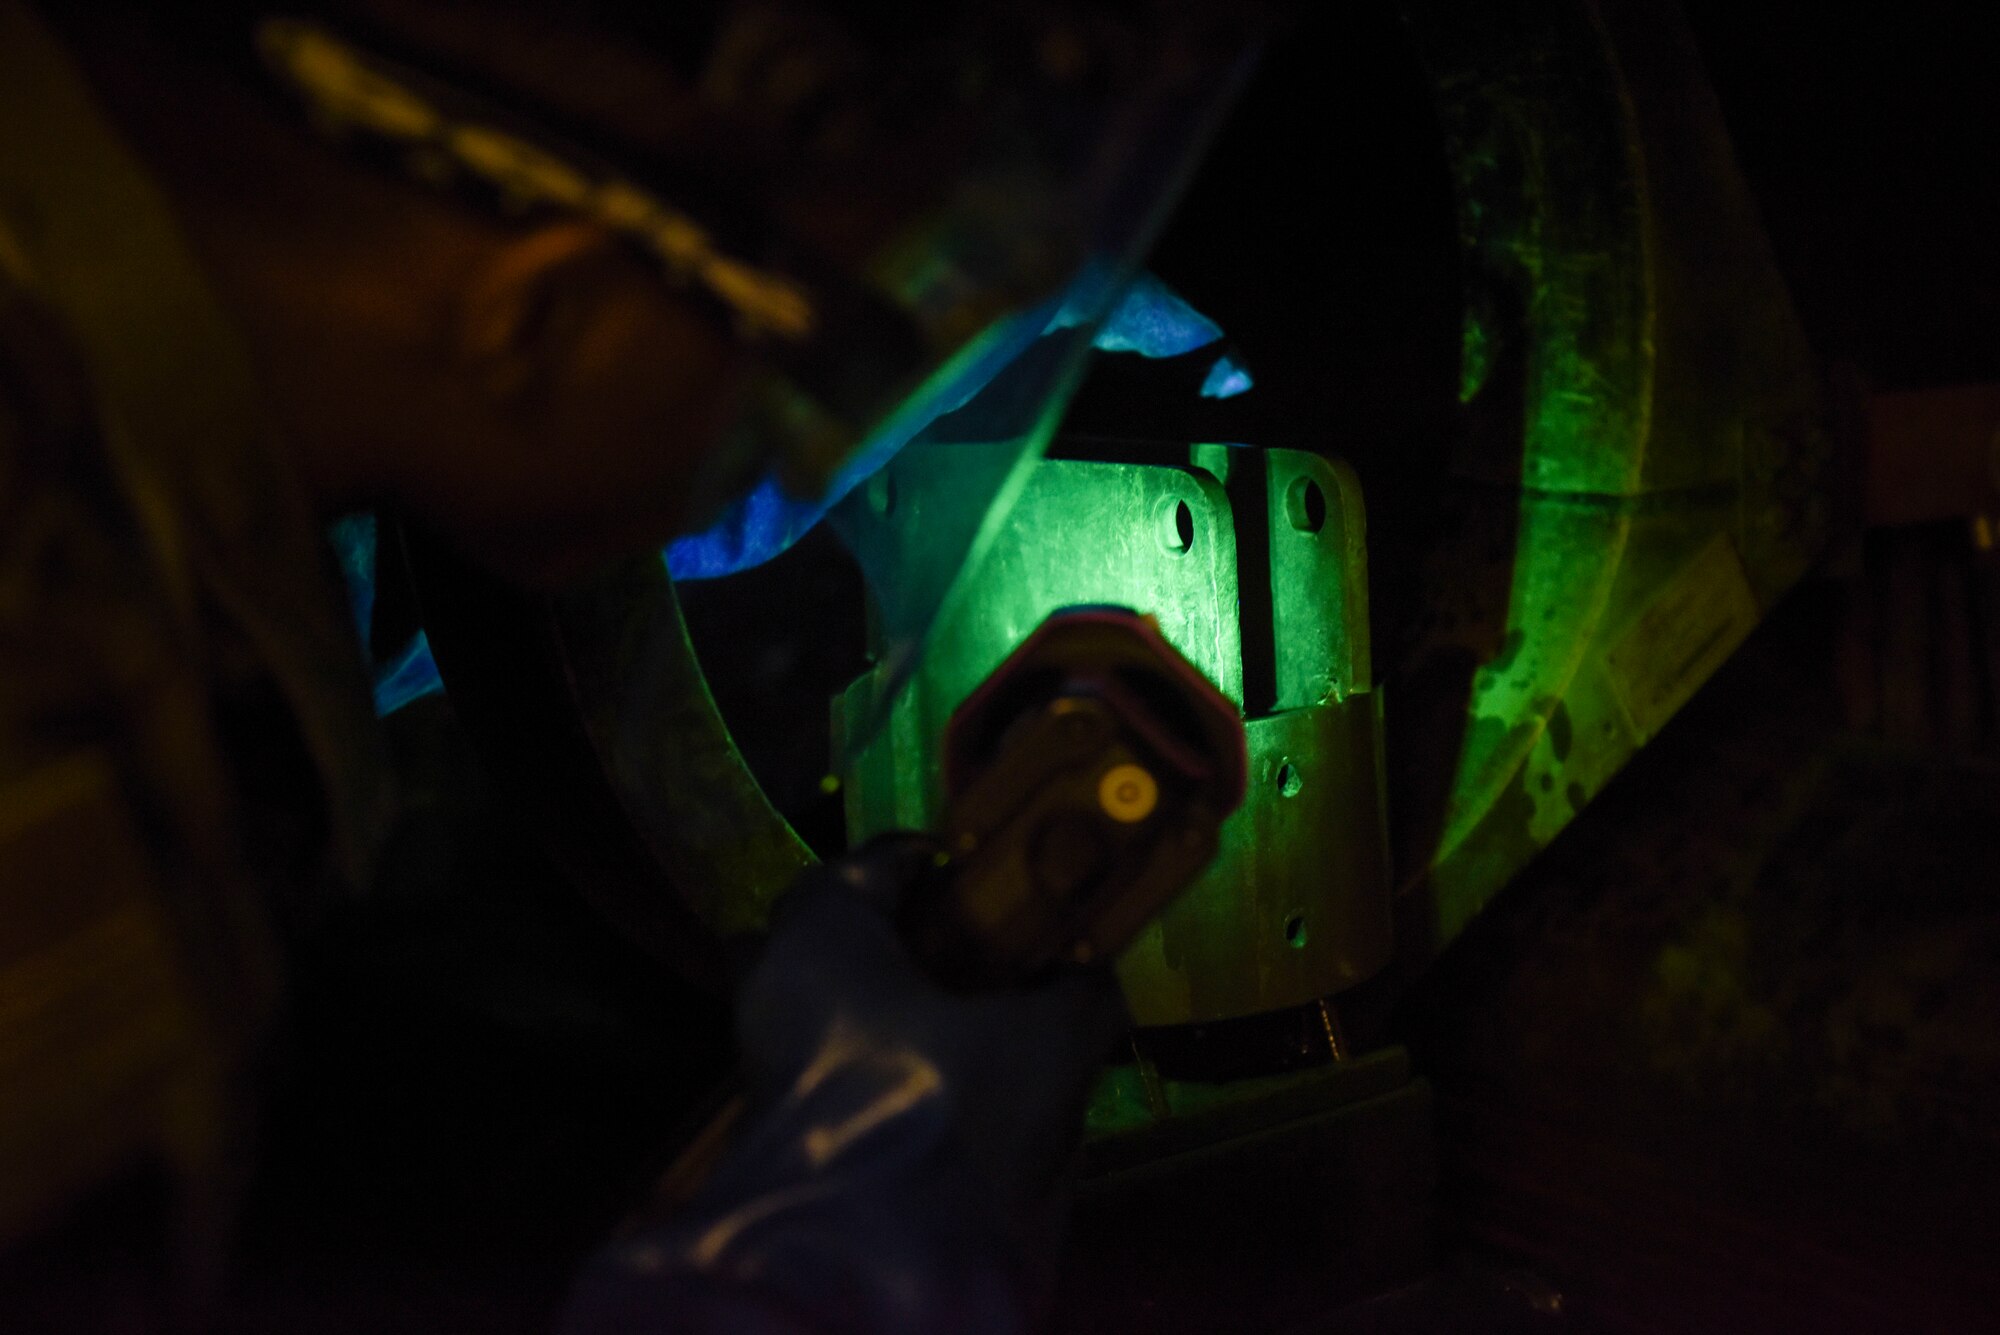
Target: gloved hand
(902, 1163)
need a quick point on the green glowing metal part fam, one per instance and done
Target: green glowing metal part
(1263, 588)
(922, 527)
(1641, 470)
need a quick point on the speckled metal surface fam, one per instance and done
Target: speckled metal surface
(1641, 444)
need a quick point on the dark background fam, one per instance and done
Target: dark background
(480, 1099)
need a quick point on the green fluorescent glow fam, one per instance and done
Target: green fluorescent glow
(1296, 905)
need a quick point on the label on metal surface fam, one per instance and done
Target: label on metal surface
(1692, 625)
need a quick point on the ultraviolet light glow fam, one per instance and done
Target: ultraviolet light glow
(410, 673)
(1152, 320)
(1225, 380)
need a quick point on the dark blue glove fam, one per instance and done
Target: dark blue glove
(903, 1160)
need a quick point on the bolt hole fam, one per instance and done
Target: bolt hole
(1305, 505)
(1176, 527)
(882, 493)
(1295, 931)
(1289, 780)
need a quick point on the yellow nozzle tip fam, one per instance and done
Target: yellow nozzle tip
(1128, 793)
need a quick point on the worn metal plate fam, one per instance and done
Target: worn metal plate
(1643, 461)
(1158, 540)
(1296, 904)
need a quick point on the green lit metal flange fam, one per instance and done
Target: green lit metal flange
(1156, 539)
(1641, 468)
(1296, 905)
